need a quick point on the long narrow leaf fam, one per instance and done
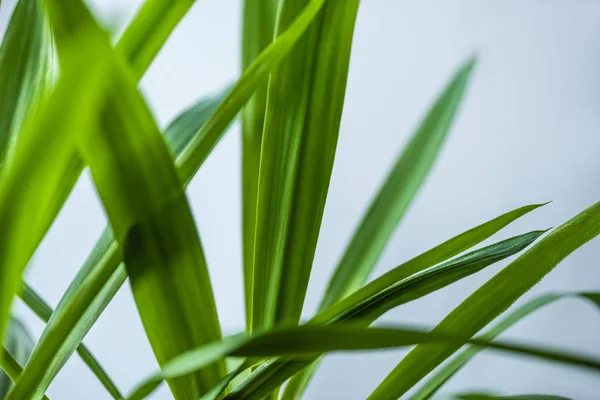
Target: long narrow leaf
(101, 278)
(19, 345)
(80, 317)
(37, 304)
(149, 30)
(491, 299)
(305, 341)
(10, 366)
(25, 70)
(449, 370)
(398, 191)
(367, 309)
(296, 159)
(27, 186)
(258, 31)
(143, 197)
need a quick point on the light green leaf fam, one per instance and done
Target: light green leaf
(10, 366)
(258, 31)
(143, 197)
(367, 308)
(440, 377)
(67, 331)
(147, 33)
(491, 299)
(398, 191)
(305, 341)
(28, 184)
(101, 277)
(37, 304)
(25, 70)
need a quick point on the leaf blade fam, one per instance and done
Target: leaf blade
(304, 341)
(497, 295)
(439, 378)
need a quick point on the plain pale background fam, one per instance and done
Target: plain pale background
(528, 132)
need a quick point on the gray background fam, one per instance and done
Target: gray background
(528, 132)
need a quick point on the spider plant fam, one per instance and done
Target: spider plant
(69, 101)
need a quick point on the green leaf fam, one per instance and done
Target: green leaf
(28, 185)
(483, 396)
(147, 33)
(101, 277)
(440, 377)
(367, 308)
(37, 304)
(10, 366)
(258, 31)
(72, 320)
(442, 252)
(145, 203)
(491, 299)
(296, 159)
(25, 70)
(305, 341)
(398, 191)
(19, 345)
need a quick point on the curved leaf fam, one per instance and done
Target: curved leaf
(305, 341)
(440, 377)
(491, 299)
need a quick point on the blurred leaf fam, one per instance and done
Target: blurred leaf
(37, 304)
(366, 308)
(147, 33)
(19, 345)
(491, 299)
(440, 377)
(28, 185)
(101, 276)
(298, 147)
(305, 341)
(143, 197)
(25, 70)
(258, 31)
(99, 287)
(11, 367)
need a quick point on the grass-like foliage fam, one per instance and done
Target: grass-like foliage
(69, 101)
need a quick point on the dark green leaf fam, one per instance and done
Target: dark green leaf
(491, 299)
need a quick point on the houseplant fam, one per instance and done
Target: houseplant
(90, 114)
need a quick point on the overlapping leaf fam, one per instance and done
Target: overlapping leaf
(29, 183)
(368, 304)
(98, 281)
(258, 31)
(491, 299)
(305, 341)
(296, 159)
(25, 70)
(447, 371)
